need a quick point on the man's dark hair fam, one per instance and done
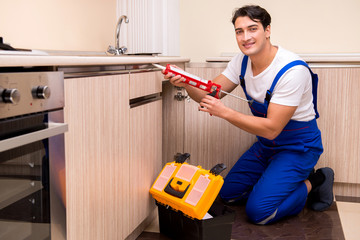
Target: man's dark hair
(255, 13)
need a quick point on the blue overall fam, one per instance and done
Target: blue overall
(271, 174)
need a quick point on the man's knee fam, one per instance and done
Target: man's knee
(259, 214)
(226, 194)
(230, 197)
(234, 190)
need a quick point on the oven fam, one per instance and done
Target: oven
(32, 156)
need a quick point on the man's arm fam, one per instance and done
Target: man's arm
(270, 127)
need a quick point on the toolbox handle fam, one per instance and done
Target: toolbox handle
(218, 168)
(168, 189)
(181, 158)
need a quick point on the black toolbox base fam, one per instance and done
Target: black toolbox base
(176, 225)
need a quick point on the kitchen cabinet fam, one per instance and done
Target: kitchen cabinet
(145, 145)
(113, 153)
(97, 157)
(339, 108)
(145, 159)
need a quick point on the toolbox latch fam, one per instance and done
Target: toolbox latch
(218, 168)
(181, 158)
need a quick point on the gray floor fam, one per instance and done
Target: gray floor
(307, 225)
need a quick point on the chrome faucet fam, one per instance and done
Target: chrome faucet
(118, 50)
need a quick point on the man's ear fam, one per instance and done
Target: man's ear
(268, 31)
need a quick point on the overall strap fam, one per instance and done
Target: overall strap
(243, 70)
(283, 70)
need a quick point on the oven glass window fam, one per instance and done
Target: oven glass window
(24, 183)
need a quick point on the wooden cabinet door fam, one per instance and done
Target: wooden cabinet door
(145, 158)
(97, 157)
(142, 84)
(211, 140)
(173, 122)
(339, 109)
(173, 118)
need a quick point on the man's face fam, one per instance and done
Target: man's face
(250, 35)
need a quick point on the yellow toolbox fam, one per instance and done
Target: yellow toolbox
(187, 188)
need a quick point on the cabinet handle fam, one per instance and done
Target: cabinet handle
(135, 102)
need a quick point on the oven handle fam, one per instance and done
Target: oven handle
(53, 129)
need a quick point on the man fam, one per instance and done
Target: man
(275, 175)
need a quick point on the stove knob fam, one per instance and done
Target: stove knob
(42, 92)
(10, 96)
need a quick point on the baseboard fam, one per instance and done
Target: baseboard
(142, 226)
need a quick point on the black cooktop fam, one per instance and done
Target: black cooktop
(4, 46)
(7, 47)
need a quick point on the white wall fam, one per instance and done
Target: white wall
(81, 25)
(307, 26)
(86, 25)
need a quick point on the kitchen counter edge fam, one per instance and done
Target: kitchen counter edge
(33, 61)
(310, 58)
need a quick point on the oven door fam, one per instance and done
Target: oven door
(32, 177)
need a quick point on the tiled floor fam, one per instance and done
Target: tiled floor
(341, 221)
(350, 216)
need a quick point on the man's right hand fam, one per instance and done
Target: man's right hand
(176, 80)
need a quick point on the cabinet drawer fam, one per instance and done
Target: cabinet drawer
(142, 84)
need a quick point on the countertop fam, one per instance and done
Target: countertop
(37, 58)
(310, 58)
(85, 60)
(314, 60)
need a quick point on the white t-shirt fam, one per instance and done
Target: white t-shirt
(294, 88)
